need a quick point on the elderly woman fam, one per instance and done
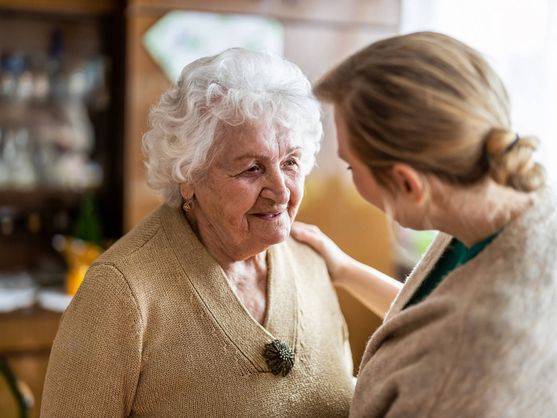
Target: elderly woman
(423, 123)
(207, 308)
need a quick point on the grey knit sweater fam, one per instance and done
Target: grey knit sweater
(483, 343)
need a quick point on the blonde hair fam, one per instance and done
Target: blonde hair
(432, 102)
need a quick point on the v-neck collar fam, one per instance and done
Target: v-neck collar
(418, 275)
(220, 301)
(454, 255)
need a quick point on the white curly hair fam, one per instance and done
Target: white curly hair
(234, 87)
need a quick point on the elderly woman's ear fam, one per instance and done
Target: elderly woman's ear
(187, 192)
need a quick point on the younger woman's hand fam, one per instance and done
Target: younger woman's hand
(336, 259)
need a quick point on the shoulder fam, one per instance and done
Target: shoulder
(472, 340)
(135, 240)
(133, 267)
(505, 347)
(415, 349)
(467, 356)
(99, 344)
(303, 256)
(520, 263)
(104, 304)
(142, 255)
(301, 249)
(308, 267)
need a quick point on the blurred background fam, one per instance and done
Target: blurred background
(77, 79)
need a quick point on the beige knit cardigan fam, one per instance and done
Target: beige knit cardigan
(155, 331)
(483, 344)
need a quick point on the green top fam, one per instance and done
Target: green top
(455, 255)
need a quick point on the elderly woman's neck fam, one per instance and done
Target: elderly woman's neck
(233, 259)
(472, 214)
(245, 272)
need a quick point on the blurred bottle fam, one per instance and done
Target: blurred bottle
(18, 155)
(41, 83)
(88, 224)
(55, 67)
(24, 84)
(11, 66)
(7, 221)
(34, 222)
(86, 244)
(4, 171)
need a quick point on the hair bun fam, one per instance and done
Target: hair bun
(511, 160)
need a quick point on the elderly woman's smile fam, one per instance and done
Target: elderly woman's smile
(251, 192)
(268, 216)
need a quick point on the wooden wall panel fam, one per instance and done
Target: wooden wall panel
(144, 84)
(348, 12)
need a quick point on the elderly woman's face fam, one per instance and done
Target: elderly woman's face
(252, 191)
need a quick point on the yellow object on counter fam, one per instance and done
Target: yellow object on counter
(79, 255)
(74, 277)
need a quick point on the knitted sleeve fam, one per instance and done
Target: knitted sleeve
(96, 357)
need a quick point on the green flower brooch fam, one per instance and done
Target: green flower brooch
(279, 357)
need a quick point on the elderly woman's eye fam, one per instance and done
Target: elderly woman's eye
(291, 162)
(253, 169)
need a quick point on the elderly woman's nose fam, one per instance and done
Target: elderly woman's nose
(276, 188)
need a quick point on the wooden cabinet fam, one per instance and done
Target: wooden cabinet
(25, 342)
(31, 215)
(68, 127)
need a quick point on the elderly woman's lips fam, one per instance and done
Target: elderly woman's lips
(268, 215)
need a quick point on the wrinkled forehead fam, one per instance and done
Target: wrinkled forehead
(271, 140)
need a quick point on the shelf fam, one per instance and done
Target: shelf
(28, 330)
(39, 197)
(87, 7)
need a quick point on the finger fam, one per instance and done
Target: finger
(309, 238)
(302, 226)
(305, 235)
(298, 232)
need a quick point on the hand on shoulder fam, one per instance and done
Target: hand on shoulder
(336, 259)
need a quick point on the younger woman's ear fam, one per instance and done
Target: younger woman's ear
(186, 190)
(409, 182)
